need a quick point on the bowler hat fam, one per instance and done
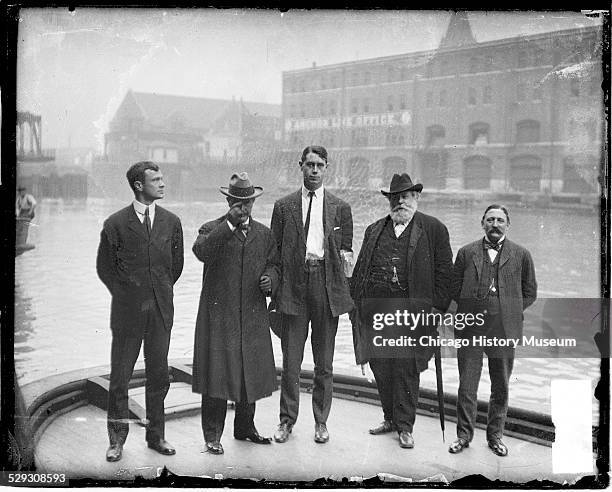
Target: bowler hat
(240, 187)
(400, 183)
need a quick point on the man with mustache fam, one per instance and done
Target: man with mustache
(406, 254)
(496, 277)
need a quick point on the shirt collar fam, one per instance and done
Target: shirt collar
(318, 192)
(501, 239)
(141, 207)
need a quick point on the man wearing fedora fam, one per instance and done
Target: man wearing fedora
(406, 254)
(496, 277)
(232, 357)
(140, 258)
(314, 231)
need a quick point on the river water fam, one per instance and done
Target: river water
(62, 308)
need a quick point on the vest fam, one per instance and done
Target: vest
(488, 287)
(389, 252)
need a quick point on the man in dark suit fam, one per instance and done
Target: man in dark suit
(140, 257)
(314, 232)
(232, 357)
(495, 277)
(406, 254)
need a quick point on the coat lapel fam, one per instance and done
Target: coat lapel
(415, 235)
(135, 225)
(295, 204)
(329, 213)
(506, 253)
(159, 224)
(478, 257)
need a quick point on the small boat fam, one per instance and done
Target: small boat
(67, 428)
(21, 236)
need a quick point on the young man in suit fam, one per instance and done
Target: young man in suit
(232, 357)
(495, 277)
(314, 231)
(140, 257)
(406, 254)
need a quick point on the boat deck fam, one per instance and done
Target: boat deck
(71, 438)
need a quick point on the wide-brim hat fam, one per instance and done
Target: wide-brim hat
(400, 183)
(240, 187)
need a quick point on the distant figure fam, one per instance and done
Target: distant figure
(25, 204)
(314, 232)
(406, 254)
(495, 277)
(140, 257)
(232, 356)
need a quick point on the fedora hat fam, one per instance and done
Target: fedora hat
(240, 187)
(401, 183)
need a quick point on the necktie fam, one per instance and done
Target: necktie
(147, 221)
(244, 227)
(307, 225)
(496, 246)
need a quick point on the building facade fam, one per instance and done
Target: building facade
(515, 115)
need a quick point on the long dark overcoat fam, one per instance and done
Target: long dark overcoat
(429, 263)
(232, 336)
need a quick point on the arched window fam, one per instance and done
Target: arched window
(479, 133)
(527, 131)
(434, 135)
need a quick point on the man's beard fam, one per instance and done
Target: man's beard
(401, 215)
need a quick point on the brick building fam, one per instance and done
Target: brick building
(521, 114)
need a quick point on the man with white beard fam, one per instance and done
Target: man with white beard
(406, 254)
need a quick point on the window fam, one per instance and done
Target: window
(394, 136)
(442, 98)
(322, 108)
(366, 105)
(521, 92)
(527, 131)
(402, 103)
(574, 88)
(391, 74)
(355, 78)
(537, 92)
(366, 78)
(479, 133)
(429, 99)
(323, 82)
(390, 103)
(472, 96)
(334, 81)
(359, 137)
(332, 107)
(539, 57)
(473, 64)
(522, 59)
(302, 110)
(403, 73)
(302, 85)
(434, 135)
(354, 104)
(292, 111)
(487, 94)
(487, 63)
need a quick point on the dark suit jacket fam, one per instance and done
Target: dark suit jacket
(138, 270)
(516, 282)
(429, 261)
(288, 229)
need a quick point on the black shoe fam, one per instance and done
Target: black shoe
(114, 452)
(253, 437)
(321, 435)
(458, 445)
(162, 447)
(498, 447)
(383, 428)
(214, 447)
(283, 431)
(406, 440)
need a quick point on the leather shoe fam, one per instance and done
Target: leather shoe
(498, 447)
(406, 440)
(321, 435)
(383, 428)
(283, 431)
(162, 447)
(254, 437)
(458, 445)
(114, 451)
(214, 447)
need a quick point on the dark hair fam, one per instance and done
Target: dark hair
(495, 206)
(136, 172)
(315, 149)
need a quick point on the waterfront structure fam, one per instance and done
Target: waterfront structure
(510, 116)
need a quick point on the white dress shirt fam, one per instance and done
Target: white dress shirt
(140, 208)
(314, 241)
(233, 227)
(492, 252)
(399, 228)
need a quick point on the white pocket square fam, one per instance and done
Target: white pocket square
(336, 228)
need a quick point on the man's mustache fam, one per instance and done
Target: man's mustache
(401, 207)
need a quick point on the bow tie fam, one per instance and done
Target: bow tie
(496, 246)
(243, 226)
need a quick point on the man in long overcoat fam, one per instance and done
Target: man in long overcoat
(140, 258)
(406, 254)
(314, 231)
(494, 277)
(233, 357)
